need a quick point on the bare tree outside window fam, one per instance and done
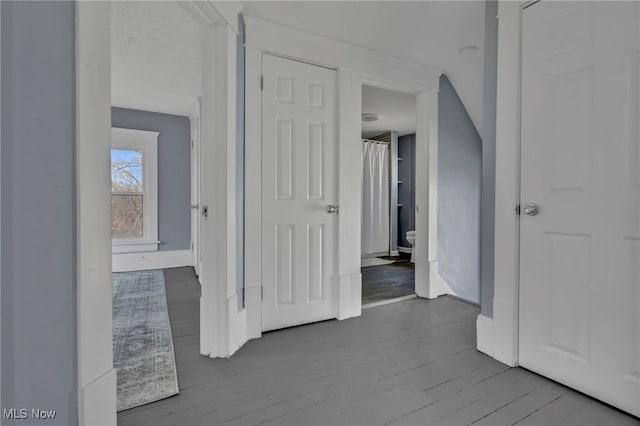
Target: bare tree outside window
(127, 194)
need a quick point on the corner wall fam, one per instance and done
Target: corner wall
(459, 183)
(39, 324)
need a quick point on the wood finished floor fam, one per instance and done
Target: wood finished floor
(407, 363)
(388, 281)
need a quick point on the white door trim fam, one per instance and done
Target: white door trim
(222, 324)
(96, 376)
(194, 121)
(498, 336)
(355, 66)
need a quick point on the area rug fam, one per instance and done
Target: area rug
(142, 345)
(374, 261)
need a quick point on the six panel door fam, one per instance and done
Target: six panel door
(580, 163)
(299, 168)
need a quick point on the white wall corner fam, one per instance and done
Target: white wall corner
(484, 334)
(438, 286)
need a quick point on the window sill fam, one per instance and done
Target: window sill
(135, 246)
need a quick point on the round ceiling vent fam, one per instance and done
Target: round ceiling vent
(368, 116)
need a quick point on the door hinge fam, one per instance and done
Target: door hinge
(518, 210)
(261, 293)
(261, 82)
(193, 143)
(192, 245)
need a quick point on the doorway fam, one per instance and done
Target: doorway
(154, 128)
(388, 195)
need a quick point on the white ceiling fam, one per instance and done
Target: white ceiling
(156, 57)
(397, 111)
(427, 32)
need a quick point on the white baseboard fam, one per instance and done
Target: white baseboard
(97, 401)
(125, 262)
(394, 253)
(405, 249)
(484, 335)
(388, 301)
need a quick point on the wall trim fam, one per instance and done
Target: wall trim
(98, 398)
(503, 345)
(438, 285)
(484, 334)
(349, 296)
(95, 374)
(222, 327)
(125, 262)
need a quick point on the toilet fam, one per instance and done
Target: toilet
(411, 239)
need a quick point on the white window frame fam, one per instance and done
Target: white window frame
(147, 143)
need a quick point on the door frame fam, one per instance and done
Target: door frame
(194, 121)
(498, 336)
(96, 375)
(355, 66)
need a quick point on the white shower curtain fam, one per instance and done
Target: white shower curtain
(375, 198)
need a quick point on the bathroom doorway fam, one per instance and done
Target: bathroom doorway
(388, 195)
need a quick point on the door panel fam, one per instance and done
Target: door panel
(580, 262)
(298, 182)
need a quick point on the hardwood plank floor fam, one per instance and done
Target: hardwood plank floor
(412, 362)
(388, 281)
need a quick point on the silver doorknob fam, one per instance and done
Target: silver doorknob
(332, 209)
(530, 209)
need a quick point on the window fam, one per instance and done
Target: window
(134, 190)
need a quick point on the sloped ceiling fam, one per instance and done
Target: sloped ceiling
(432, 33)
(156, 57)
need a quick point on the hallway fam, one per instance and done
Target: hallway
(412, 362)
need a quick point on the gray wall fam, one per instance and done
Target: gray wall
(459, 183)
(39, 341)
(174, 171)
(489, 158)
(406, 189)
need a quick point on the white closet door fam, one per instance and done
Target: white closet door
(580, 255)
(299, 168)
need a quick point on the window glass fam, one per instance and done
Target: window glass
(127, 194)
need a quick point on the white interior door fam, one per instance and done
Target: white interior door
(299, 170)
(580, 255)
